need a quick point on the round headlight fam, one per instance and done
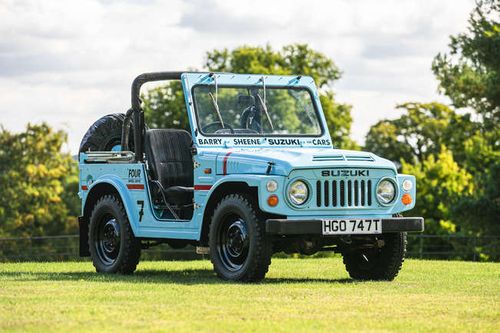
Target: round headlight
(386, 191)
(271, 186)
(298, 193)
(407, 185)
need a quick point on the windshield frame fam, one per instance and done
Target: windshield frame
(258, 135)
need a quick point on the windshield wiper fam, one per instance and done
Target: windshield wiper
(263, 102)
(216, 107)
(264, 107)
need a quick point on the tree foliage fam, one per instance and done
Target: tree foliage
(293, 59)
(38, 183)
(436, 142)
(164, 106)
(470, 76)
(441, 185)
(470, 72)
(420, 132)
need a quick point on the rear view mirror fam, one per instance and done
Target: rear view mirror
(246, 100)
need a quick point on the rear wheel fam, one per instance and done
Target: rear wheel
(239, 248)
(113, 246)
(383, 263)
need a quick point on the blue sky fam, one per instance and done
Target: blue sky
(70, 62)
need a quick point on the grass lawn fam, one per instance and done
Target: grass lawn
(298, 295)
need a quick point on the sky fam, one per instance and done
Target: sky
(70, 62)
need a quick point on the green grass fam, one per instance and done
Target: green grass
(298, 295)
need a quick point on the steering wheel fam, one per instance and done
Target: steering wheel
(219, 124)
(255, 125)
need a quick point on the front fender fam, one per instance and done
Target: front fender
(258, 181)
(399, 206)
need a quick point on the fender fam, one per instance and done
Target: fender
(250, 180)
(120, 187)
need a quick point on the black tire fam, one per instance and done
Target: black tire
(239, 248)
(105, 134)
(378, 263)
(113, 246)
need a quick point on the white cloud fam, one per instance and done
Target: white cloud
(69, 62)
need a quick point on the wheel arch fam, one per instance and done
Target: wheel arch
(223, 189)
(96, 191)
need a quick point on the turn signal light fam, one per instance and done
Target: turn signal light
(272, 200)
(406, 199)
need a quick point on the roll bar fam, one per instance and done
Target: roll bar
(138, 113)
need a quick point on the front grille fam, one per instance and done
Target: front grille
(344, 193)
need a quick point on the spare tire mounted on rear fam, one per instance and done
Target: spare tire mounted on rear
(105, 134)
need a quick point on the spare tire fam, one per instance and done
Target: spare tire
(106, 134)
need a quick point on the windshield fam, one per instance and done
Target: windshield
(254, 110)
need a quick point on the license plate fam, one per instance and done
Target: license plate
(351, 226)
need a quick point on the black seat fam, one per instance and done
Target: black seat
(168, 152)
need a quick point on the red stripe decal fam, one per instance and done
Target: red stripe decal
(202, 187)
(224, 163)
(85, 187)
(135, 186)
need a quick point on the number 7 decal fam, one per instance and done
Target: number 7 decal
(141, 212)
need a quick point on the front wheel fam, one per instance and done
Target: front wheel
(377, 263)
(239, 248)
(113, 246)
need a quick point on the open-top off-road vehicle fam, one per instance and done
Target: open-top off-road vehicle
(257, 174)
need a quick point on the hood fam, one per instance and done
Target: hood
(283, 161)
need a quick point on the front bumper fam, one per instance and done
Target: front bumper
(314, 226)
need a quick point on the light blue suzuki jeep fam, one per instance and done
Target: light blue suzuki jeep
(257, 174)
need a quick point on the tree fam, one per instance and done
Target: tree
(290, 60)
(470, 73)
(420, 132)
(480, 214)
(164, 106)
(445, 189)
(441, 184)
(38, 183)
